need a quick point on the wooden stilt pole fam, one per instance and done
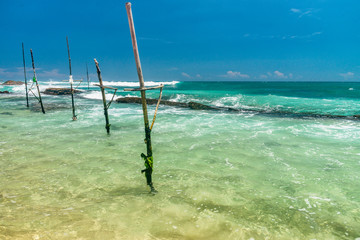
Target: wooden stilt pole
(87, 76)
(71, 81)
(26, 90)
(149, 157)
(35, 80)
(106, 106)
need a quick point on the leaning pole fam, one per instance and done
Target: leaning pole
(36, 82)
(26, 90)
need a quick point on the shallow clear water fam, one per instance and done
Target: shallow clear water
(220, 175)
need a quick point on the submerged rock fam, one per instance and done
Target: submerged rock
(59, 91)
(6, 113)
(36, 107)
(151, 101)
(2, 92)
(200, 106)
(11, 82)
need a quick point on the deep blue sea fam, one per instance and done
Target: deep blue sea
(277, 160)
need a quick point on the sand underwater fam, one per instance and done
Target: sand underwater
(284, 170)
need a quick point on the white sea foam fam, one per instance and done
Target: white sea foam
(233, 101)
(97, 95)
(136, 84)
(319, 198)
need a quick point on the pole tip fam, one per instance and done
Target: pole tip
(128, 4)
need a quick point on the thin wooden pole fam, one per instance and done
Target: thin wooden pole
(87, 76)
(71, 82)
(148, 157)
(156, 109)
(35, 80)
(26, 90)
(107, 126)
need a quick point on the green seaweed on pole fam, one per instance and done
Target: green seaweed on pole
(106, 105)
(37, 84)
(26, 90)
(148, 158)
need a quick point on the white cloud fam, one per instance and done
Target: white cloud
(305, 12)
(303, 36)
(231, 74)
(347, 75)
(14, 72)
(185, 75)
(283, 37)
(279, 74)
(18, 72)
(295, 10)
(316, 33)
(263, 76)
(189, 76)
(54, 73)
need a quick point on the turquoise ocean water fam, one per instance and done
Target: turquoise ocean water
(287, 166)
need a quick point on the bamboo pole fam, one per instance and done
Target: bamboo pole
(87, 76)
(107, 126)
(148, 158)
(35, 80)
(156, 109)
(26, 90)
(74, 118)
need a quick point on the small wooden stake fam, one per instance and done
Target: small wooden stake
(87, 76)
(27, 93)
(71, 83)
(106, 106)
(35, 80)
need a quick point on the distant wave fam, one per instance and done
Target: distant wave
(96, 95)
(136, 84)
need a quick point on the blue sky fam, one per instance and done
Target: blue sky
(229, 40)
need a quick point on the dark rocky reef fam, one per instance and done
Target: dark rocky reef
(11, 82)
(59, 91)
(273, 113)
(150, 101)
(4, 92)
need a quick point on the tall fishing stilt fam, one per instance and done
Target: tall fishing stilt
(35, 81)
(26, 90)
(87, 76)
(71, 81)
(149, 157)
(106, 105)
